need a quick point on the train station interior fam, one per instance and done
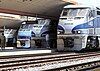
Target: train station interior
(49, 35)
(17, 16)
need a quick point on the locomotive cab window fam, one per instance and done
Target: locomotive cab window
(65, 12)
(73, 12)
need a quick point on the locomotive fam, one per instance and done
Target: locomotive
(79, 28)
(33, 32)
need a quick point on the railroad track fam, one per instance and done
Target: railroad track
(41, 61)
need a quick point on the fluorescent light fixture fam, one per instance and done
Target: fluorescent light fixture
(71, 1)
(9, 16)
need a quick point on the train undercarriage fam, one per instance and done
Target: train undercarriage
(77, 42)
(34, 42)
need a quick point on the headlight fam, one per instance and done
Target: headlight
(33, 34)
(43, 35)
(78, 31)
(60, 32)
(88, 40)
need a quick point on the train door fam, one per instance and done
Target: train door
(90, 21)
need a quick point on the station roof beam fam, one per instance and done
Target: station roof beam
(41, 8)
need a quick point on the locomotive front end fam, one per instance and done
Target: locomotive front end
(72, 28)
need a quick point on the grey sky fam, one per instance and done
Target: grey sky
(89, 2)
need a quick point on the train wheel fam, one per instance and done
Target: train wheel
(95, 42)
(92, 43)
(38, 43)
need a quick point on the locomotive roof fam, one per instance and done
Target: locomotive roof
(78, 6)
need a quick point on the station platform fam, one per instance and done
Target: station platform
(14, 51)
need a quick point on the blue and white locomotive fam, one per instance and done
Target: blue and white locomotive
(79, 28)
(33, 31)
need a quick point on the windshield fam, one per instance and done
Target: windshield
(27, 26)
(74, 12)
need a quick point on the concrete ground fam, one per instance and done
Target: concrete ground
(96, 69)
(10, 51)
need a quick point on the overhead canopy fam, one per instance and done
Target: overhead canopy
(41, 8)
